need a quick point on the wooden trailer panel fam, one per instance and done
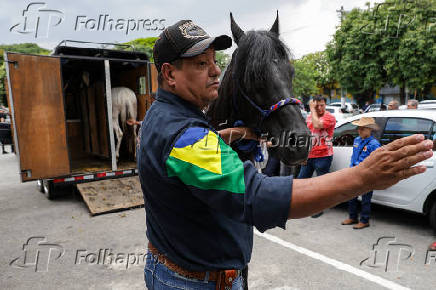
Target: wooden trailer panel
(39, 115)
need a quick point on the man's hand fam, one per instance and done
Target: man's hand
(393, 162)
(231, 134)
(132, 122)
(312, 106)
(383, 168)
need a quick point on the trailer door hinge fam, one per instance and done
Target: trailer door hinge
(14, 62)
(27, 172)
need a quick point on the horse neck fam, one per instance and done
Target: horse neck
(221, 111)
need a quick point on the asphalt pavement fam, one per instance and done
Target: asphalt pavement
(57, 245)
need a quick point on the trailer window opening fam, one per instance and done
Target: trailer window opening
(142, 85)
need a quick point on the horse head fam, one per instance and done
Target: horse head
(258, 77)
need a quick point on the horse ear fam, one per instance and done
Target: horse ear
(275, 27)
(237, 32)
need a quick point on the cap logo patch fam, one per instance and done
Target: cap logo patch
(190, 30)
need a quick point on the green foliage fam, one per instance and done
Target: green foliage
(304, 83)
(30, 48)
(323, 74)
(391, 43)
(312, 71)
(143, 45)
(222, 59)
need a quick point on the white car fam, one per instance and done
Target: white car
(337, 112)
(421, 106)
(375, 107)
(418, 193)
(428, 102)
(351, 108)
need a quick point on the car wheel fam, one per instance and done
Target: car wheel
(39, 185)
(432, 216)
(48, 189)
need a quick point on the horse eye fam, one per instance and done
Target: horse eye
(275, 60)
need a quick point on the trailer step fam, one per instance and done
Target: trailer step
(111, 195)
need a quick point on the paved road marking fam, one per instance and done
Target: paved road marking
(338, 265)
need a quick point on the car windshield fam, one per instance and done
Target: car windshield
(330, 110)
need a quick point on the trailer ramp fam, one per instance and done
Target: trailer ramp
(112, 195)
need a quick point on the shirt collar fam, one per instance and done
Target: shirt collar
(168, 97)
(368, 138)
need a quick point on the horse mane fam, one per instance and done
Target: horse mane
(256, 50)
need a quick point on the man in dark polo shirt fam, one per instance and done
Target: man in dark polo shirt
(201, 200)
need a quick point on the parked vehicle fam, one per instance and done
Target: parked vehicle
(338, 113)
(350, 108)
(433, 102)
(303, 111)
(418, 193)
(421, 106)
(427, 106)
(62, 112)
(376, 107)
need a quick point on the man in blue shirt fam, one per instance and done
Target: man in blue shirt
(363, 145)
(201, 200)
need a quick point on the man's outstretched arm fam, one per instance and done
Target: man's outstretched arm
(383, 168)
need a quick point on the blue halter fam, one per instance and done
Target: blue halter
(265, 113)
(253, 145)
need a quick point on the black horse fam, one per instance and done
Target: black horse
(258, 77)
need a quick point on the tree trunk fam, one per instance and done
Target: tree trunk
(403, 94)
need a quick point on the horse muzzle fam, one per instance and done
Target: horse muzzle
(292, 149)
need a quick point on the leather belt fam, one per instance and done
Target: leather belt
(223, 277)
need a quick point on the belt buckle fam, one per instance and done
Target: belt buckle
(230, 276)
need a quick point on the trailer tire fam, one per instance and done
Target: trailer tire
(48, 189)
(432, 216)
(39, 185)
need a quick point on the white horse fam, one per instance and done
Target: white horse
(124, 111)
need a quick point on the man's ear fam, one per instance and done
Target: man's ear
(167, 71)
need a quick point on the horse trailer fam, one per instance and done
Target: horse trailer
(61, 112)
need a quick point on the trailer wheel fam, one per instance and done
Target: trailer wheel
(40, 186)
(432, 216)
(48, 189)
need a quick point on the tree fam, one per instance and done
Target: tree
(355, 58)
(222, 60)
(143, 45)
(312, 72)
(31, 48)
(391, 43)
(304, 83)
(323, 74)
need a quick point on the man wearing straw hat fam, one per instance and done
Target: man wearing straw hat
(363, 145)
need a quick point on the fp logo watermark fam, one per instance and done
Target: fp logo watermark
(38, 20)
(387, 254)
(38, 252)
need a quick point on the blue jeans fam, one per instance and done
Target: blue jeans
(366, 208)
(321, 165)
(272, 167)
(158, 277)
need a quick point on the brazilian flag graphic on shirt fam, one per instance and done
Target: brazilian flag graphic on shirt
(201, 159)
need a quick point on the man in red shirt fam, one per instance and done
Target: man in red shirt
(322, 125)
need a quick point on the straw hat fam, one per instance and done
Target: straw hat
(366, 122)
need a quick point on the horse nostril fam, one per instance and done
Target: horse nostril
(304, 142)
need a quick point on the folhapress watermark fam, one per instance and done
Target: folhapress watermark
(38, 20)
(108, 257)
(387, 254)
(400, 16)
(38, 254)
(107, 23)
